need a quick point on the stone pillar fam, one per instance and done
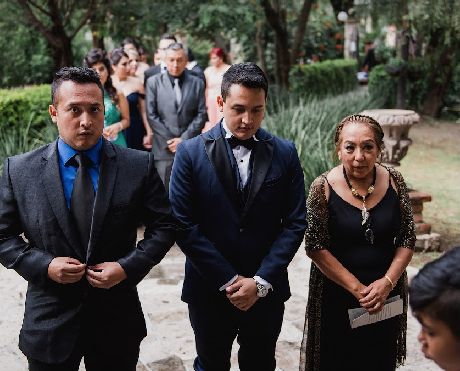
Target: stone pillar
(426, 241)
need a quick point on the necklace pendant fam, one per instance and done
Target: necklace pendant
(364, 215)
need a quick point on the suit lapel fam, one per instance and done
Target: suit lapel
(262, 160)
(55, 193)
(107, 178)
(218, 154)
(185, 89)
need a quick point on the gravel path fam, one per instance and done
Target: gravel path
(169, 345)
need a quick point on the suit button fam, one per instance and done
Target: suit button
(241, 229)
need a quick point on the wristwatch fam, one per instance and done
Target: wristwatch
(262, 290)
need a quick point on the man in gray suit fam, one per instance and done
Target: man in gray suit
(69, 213)
(176, 109)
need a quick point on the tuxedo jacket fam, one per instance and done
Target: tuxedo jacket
(32, 203)
(168, 120)
(221, 239)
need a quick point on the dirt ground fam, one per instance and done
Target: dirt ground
(432, 165)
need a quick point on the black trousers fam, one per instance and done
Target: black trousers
(216, 325)
(100, 353)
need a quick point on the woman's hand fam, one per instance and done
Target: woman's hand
(111, 132)
(375, 294)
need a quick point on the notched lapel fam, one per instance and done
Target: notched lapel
(107, 177)
(185, 89)
(217, 153)
(262, 160)
(55, 193)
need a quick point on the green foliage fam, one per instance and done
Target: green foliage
(323, 78)
(23, 105)
(23, 138)
(452, 97)
(24, 54)
(310, 123)
(381, 84)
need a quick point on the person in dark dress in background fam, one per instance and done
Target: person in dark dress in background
(139, 134)
(360, 236)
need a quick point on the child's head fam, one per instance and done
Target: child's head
(434, 296)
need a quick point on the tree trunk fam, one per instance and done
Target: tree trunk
(276, 17)
(439, 81)
(260, 46)
(300, 30)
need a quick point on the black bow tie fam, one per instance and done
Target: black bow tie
(235, 142)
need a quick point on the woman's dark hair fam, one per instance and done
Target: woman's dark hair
(95, 56)
(129, 40)
(246, 74)
(435, 290)
(116, 55)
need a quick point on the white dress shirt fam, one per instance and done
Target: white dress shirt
(242, 157)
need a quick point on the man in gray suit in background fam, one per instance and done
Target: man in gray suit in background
(176, 109)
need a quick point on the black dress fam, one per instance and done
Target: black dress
(135, 132)
(334, 345)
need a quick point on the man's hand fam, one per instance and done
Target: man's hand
(173, 143)
(105, 275)
(242, 293)
(66, 270)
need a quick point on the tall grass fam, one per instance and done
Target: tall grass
(310, 123)
(23, 138)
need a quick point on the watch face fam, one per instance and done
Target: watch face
(261, 290)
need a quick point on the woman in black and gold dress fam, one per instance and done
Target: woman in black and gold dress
(360, 237)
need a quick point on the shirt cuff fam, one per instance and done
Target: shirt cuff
(263, 282)
(222, 288)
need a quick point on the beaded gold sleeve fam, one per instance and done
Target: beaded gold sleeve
(406, 237)
(317, 233)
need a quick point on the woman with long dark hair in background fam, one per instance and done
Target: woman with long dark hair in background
(139, 133)
(116, 117)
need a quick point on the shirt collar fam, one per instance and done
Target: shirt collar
(172, 78)
(66, 152)
(228, 133)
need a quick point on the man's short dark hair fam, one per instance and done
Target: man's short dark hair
(79, 75)
(168, 36)
(247, 74)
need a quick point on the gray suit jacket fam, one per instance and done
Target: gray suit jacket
(169, 121)
(32, 202)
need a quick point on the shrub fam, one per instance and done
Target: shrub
(381, 84)
(323, 78)
(21, 106)
(310, 123)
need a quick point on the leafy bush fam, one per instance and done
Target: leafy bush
(382, 84)
(21, 106)
(310, 123)
(323, 78)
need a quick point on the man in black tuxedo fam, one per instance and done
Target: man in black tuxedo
(238, 193)
(69, 213)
